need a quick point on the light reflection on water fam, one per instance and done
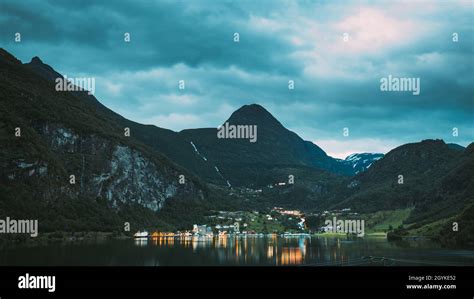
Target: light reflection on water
(281, 251)
(238, 250)
(275, 250)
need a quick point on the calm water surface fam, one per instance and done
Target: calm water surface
(231, 250)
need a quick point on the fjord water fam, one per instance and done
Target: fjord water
(235, 251)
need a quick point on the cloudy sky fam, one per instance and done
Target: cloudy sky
(336, 52)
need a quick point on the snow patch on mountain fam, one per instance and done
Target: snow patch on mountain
(197, 152)
(360, 162)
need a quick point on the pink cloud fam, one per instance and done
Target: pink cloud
(371, 30)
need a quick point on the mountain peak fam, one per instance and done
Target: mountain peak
(254, 108)
(36, 60)
(253, 114)
(42, 69)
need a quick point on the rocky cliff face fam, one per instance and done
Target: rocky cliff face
(85, 169)
(107, 169)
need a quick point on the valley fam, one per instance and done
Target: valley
(161, 180)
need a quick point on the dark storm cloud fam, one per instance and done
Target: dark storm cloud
(163, 33)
